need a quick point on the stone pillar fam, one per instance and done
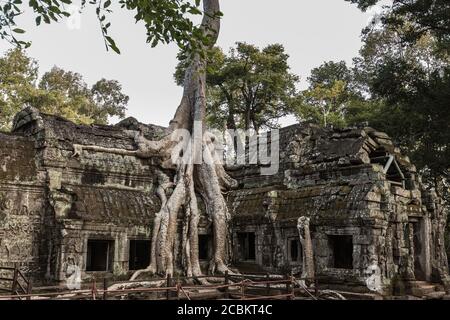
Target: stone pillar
(425, 231)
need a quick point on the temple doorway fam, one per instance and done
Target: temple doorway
(418, 247)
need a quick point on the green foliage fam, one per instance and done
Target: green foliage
(330, 72)
(399, 84)
(108, 100)
(165, 20)
(409, 84)
(420, 17)
(58, 92)
(18, 74)
(249, 88)
(330, 94)
(324, 104)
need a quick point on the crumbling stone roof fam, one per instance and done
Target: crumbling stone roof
(150, 131)
(98, 187)
(312, 152)
(335, 204)
(327, 174)
(311, 144)
(118, 206)
(67, 133)
(324, 172)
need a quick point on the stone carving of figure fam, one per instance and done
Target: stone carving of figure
(308, 255)
(373, 277)
(73, 275)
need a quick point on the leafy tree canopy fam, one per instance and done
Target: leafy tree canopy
(58, 92)
(419, 16)
(165, 20)
(248, 88)
(330, 95)
(411, 85)
(399, 87)
(329, 72)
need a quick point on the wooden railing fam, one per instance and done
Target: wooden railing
(232, 286)
(20, 286)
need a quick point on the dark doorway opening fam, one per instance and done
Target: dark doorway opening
(139, 257)
(418, 251)
(204, 247)
(294, 250)
(99, 255)
(247, 249)
(342, 251)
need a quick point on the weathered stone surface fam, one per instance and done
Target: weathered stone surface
(338, 179)
(51, 204)
(364, 221)
(17, 159)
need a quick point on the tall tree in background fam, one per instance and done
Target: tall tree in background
(405, 66)
(18, 74)
(399, 83)
(330, 95)
(59, 92)
(417, 17)
(325, 104)
(325, 99)
(249, 88)
(406, 79)
(79, 102)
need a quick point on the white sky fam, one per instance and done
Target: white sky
(312, 31)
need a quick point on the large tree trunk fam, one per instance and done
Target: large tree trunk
(204, 177)
(198, 172)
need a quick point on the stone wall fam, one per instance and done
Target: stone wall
(22, 205)
(55, 202)
(337, 178)
(354, 185)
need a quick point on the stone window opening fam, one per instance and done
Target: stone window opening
(139, 254)
(342, 251)
(100, 254)
(393, 172)
(294, 250)
(391, 168)
(247, 246)
(204, 247)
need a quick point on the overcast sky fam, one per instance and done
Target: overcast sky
(312, 31)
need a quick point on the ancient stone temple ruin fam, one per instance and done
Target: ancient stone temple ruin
(366, 209)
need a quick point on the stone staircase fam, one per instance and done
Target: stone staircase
(425, 290)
